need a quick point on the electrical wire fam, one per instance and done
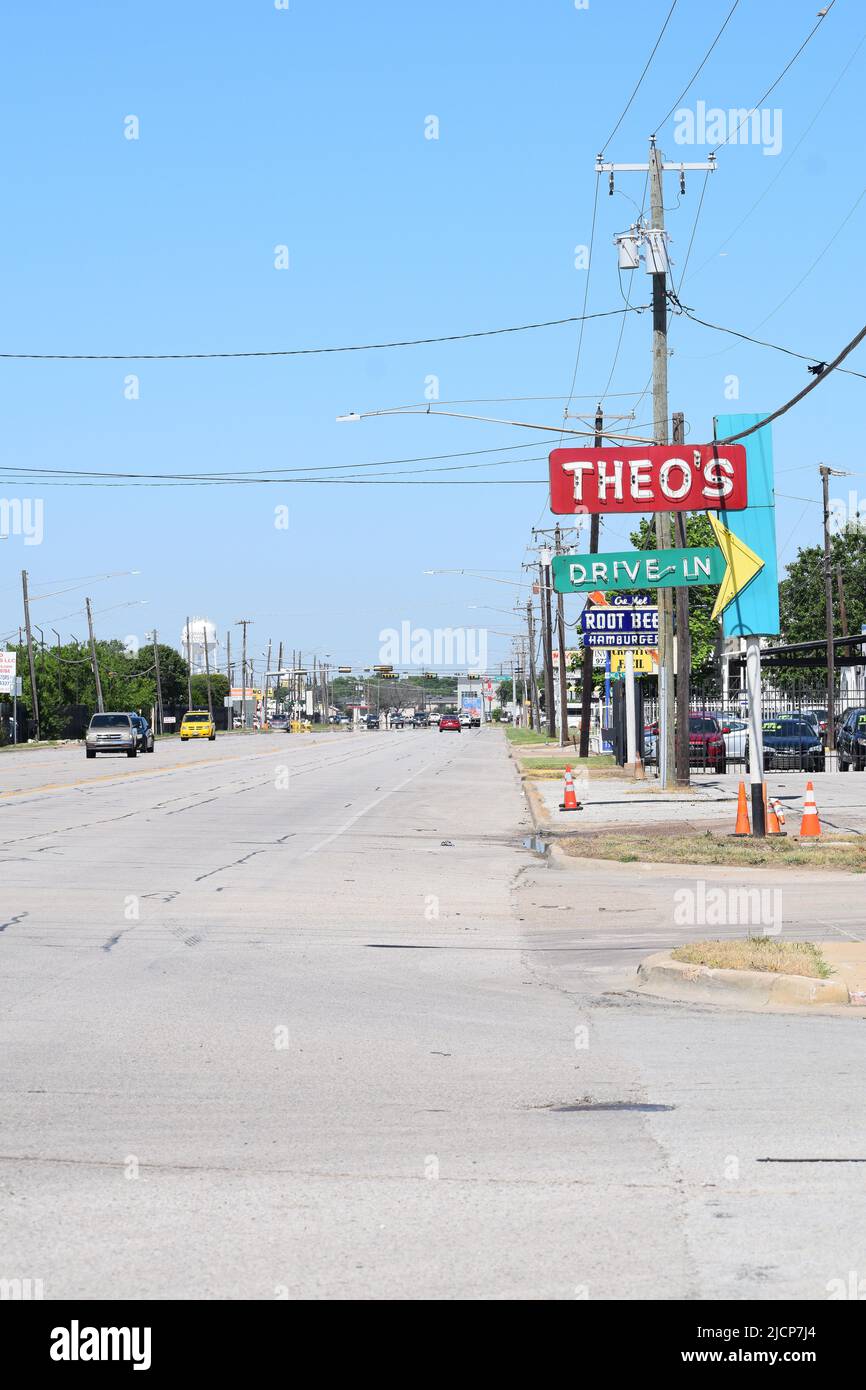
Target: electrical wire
(789, 405)
(763, 342)
(698, 69)
(773, 85)
(637, 86)
(845, 220)
(729, 238)
(293, 352)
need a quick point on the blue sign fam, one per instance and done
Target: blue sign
(754, 611)
(618, 628)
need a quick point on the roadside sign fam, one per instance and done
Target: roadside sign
(755, 612)
(640, 622)
(645, 662)
(7, 672)
(731, 564)
(649, 478)
(170, 719)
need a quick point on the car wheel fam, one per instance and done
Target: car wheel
(211, 737)
(90, 753)
(132, 752)
(843, 766)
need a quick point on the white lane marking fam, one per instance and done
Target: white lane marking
(314, 849)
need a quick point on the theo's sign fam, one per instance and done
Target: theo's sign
(655, 478)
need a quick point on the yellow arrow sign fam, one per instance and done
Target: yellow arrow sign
(742, 565)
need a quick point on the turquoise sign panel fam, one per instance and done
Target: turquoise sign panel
(754, 612)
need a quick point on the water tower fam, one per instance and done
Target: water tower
(202, 634)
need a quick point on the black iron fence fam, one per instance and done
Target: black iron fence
(794, 729)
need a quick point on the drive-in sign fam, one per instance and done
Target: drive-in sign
(654, 478)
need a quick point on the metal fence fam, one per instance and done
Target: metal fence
(794, 729)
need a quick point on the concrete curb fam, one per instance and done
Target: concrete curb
(754, 989)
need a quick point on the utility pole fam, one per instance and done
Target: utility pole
(229, 660)
(188, 667)
(30, 659)
(244, 623)
(843, 612)
(563, 674)
(94, 663)
(586, 661)
(207, 673)
(684, 639)
(547, 640)
(161, 728)
(279, 676)
(265, 696)
(533, 681)
(828, 607)
(654, 240)
(667, 750)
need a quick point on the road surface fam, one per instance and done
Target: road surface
(301, 1016)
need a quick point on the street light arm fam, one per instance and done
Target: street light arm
(490, 420)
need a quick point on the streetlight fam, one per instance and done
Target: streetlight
(354, 415)
(476, 574)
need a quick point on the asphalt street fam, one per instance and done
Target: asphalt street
(303, 1016)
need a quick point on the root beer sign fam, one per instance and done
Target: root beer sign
(652, 478)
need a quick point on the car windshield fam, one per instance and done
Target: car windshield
(196, 719)
(110, 721)
(702, 726)
(789, 728)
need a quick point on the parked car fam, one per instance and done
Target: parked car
(706, 743)
(735, 732)
(820, 717)
(111, 733)
(279, 721)
(144, 733)
(449, 723)
(792, 742)
(396, 720)
(851, 741)
(197, 723)
(372, 721)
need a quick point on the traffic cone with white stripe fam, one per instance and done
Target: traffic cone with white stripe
(570, 803)
(777, 815)
(810, 826)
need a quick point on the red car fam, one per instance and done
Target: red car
(449, 721)
(706, 743)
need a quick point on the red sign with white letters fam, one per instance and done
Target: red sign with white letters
(654, 478)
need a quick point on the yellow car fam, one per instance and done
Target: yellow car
(197, 724)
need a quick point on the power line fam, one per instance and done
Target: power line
(822, 15)
(783, 409)
(762, 342)
(845, 220)
(698, 69)
(784, 165)
(296, 352)
(637, 87)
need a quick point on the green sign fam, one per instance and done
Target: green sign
(638, 569)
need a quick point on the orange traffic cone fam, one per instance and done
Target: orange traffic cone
(779, 813)
(571, 802)
(810, 826)
(742, 827)
(771, 814)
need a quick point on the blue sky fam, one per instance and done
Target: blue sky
(306, 128)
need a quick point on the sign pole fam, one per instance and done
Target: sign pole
(756, 734)
(630, 722)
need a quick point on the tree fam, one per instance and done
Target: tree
(801, 592)
(705, 633)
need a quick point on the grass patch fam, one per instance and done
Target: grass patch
(708, 848)
(757, 953)
(523, 736)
